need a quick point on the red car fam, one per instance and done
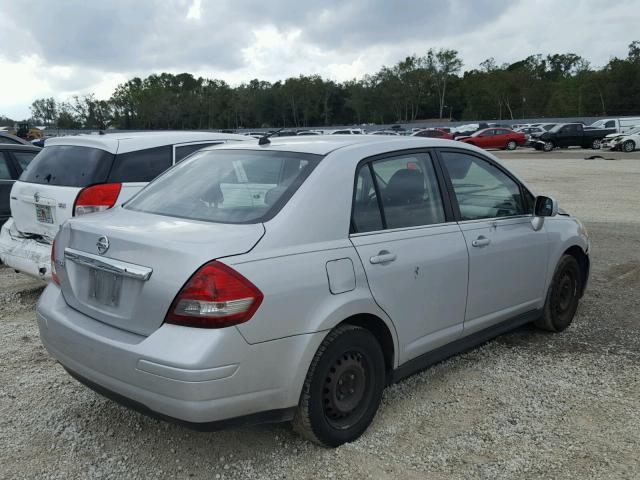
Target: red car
(433, 133)
(496, 138)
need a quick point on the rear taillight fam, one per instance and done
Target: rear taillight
(54, 275)
(97, 198)
(216, 296)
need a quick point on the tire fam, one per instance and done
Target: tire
(343, 387)
(629, 146)
(511, 145)
(563, 296)
(595, 144)
(548, 146)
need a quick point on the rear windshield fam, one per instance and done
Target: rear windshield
(69, 166)
(227, 186)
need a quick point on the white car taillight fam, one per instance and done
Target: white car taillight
(97, 198)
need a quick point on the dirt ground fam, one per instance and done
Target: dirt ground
(525, 405)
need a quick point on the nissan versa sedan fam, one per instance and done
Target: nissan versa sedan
(295, 279)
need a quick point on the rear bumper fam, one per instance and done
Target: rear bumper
(195, 376)
(23, 254)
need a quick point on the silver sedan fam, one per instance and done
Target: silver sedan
(295, 279)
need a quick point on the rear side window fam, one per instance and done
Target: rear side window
(24, 159)
(69, 166)
(222, 186)
(5, 174)
(404, 193)
(141, 165)
(366, 211)
(183, 151)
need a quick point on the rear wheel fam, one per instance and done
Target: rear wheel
(548, 146)
(563, 296)
(511, 145)
(629, 146)
(595, 144)
(343, 388)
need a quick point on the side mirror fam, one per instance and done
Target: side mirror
(545, 207)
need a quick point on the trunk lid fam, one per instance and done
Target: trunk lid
(167, 250)
(40, 209)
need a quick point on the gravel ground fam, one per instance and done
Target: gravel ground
(526, 405)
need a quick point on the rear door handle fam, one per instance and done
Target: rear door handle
(383, 257)
(481, 241)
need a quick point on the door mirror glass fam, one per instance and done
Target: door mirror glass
(545, 207)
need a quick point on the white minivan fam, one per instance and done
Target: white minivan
(82, 174)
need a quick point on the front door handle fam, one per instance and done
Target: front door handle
(383, 256)
(481, 241)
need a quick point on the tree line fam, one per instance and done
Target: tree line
(418, 87)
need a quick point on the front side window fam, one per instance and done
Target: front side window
(481, 189)
(223, 186)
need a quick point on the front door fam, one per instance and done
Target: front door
(507, 256)
(415, 260)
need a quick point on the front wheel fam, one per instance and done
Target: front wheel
(548, 146)
(511, 145)
(343, 388)
(629, 146)
(563, 296)
(596, 144)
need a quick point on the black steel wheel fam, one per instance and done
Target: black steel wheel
(563, 296)
(342, 391)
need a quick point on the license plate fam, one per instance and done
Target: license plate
(44, 214)
(104, 287)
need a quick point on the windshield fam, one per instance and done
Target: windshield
(227, 186)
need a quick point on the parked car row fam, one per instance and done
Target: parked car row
(289, 279)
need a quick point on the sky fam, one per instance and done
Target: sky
(74, 47)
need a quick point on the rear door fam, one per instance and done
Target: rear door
(507, 256)
(44, 196)
(415, 259)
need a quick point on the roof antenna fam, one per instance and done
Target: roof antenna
(264, 140)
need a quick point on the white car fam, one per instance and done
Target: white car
(347, 131)
(369, 258)
(82, 174)
(627, 142)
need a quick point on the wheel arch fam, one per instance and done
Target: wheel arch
(381, 331)
(583, 261)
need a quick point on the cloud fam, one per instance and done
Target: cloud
(72, 46)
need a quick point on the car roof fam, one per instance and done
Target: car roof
(325, 144)
(4, 133)
(122, 142)
(19, 147)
